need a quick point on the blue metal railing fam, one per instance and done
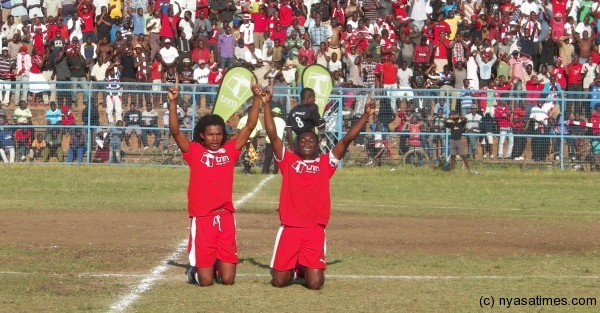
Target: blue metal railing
(563, 99)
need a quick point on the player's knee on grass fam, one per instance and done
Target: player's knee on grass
(280, 279)
(314, 278)
(227, 273)
(205, 276)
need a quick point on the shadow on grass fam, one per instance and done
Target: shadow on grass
(249, 260)
(266, 266)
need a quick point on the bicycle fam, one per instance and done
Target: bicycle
(170, 154)
(584, 158)
(365, 157)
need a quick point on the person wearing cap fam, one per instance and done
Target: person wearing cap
(87, 16)
(169, 54)
(7, 66)
(143, 71)
(186, 77)
(247, 30)
(557, 24)
(201, 74)
(22, 74)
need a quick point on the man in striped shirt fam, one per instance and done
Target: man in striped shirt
(6, 67)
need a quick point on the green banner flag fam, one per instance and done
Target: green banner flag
(318, 79)
(235, 89)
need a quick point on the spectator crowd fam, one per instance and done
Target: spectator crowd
(476, 52)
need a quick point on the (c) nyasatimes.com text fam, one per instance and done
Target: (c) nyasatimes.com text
(507, 302)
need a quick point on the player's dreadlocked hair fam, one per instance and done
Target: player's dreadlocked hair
(209, 120)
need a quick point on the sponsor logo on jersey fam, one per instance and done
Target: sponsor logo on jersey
(211, 160)
(301, 167)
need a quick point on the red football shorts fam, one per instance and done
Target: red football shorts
(212, 237)
(299, 245)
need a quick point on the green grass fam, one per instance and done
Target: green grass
(523, 207)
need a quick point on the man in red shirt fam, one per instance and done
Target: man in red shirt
(422, 53)
(200, 53)
(440, 54)
(211, 159)
(279, 33)
(575, 83)
(502, 115)
(307, 51)
(389, 74)
(533, 87)
(87, 16)
(388, 45)
(305, 201)
(595, 120)
(518, 125)
(439, 27)
(260, 25)
(285, 13)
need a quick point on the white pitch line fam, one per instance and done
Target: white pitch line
(347, 277)
(145, 284)
(156, 274)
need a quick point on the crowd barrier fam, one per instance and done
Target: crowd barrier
(561, 145)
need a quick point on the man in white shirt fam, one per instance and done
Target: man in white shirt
(247, 30)
(528, 7)
(98, 74)
(23, 68)
(253, 56)
(169, 54)
(267, 45)
(201, 77)
(472, 127)
(404, 77)
(10, 28)
(52, 7)
(186, 25)
(75, 24)
(98, 4)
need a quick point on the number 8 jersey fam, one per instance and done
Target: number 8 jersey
(303, 118)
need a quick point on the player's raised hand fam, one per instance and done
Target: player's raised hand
(266, 96)
(256, 90)
(370, 105)
(173, 93)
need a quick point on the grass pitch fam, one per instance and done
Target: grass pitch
(76, 239)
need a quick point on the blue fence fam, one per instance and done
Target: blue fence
(552, 143)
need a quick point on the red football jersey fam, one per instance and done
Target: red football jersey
(304, 200)
(211, 178)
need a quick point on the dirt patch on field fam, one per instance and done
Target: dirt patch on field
(112, 238)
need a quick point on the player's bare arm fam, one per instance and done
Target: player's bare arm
(340, 148)
(289, 136)
(182, 142)
(276, 143)
(253, 112)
